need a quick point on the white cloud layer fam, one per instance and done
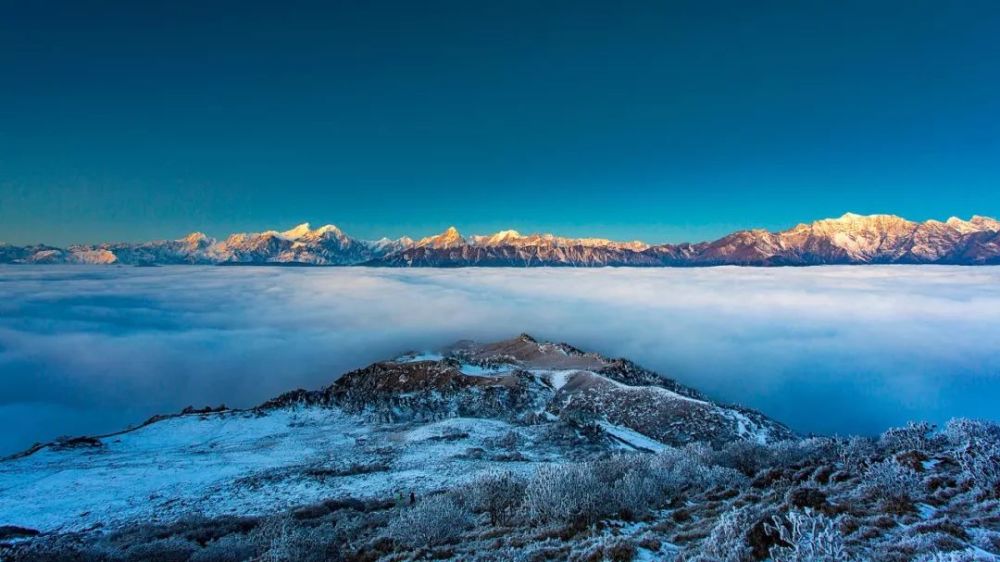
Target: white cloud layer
(828, 349)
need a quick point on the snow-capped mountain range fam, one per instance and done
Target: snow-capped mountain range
(849, 239)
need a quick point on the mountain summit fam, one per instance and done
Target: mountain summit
(848, 239)
(448, 239)
(415, 422)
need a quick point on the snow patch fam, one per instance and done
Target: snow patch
(633, 438)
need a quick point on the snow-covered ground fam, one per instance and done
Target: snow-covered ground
(243, 463)
(466, 368)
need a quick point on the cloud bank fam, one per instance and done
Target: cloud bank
(827, 349)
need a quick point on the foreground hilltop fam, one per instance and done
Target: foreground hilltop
(529, 382)
(513, 450)
(849, 239)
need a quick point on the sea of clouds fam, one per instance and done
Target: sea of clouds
(823, 349)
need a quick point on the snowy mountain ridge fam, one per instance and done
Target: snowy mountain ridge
(849, 239)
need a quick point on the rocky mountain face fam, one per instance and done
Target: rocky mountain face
(525, 381)
(849, 239)
(862, 239)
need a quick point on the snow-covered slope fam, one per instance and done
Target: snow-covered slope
(246, 463)
(418, 422)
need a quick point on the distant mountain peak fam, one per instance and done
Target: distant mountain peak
(297, 232)
(854, 217)
(196, 237)
(501, 237)
(987, 223)
(450, 238)
(326, 228)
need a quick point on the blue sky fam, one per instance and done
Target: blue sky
(664, 121)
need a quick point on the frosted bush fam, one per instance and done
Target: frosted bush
(744, 456)
(891, 480)
(981, 463)
(434, 520)
(677, 469)
(630, 482)
(634, 493)
(615, 467)
(279, 539)
(856, 453)
(790, 452)
(810, 537)
(727, 541)
(563, 492)
(915, 436)
(497, 493)
(621, 485)
(961, 432)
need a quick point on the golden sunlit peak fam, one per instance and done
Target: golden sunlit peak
(297, 232)
(446, 239)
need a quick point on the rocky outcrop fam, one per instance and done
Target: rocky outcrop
(527, 381)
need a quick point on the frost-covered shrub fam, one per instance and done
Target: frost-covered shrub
(279, 539)
(810, 537)
(624, 485)
(961, 432)
(890, 480)
(727, 542)
(744, 456)
(977, 446)
(565, 492)
(981, 463)
(497, 493)
(630, 483)
(794, 451)
(857, 452)
(634, 493)
(434, 520)
(915, 436)
(678, 469)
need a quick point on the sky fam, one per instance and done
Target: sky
(824, 349)
(662, 121)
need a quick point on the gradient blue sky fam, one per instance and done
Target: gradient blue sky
(664, 121)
